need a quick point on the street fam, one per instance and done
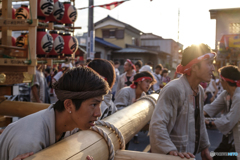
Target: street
(215, 138)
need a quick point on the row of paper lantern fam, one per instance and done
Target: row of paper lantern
(52, 44)
(49, 11)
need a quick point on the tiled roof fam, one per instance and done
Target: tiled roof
(134, 50)
(105, 43)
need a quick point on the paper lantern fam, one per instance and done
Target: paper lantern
(73, 44)
(13, 41)
(58, 12)
(22, 12)
(44, 42)
(21, 41)
(70, 14)
(13, 13)
(45, 8)
(58, 44)
(70, 44)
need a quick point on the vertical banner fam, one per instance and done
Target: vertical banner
(92, 44)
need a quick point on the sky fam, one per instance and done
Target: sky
(160, 17)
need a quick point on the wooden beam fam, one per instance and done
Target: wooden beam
(8, 22)
(129, 121)
(13, 47)
(20, 109)
(32, 37)
(13, 69)
(6, 33)
(17, 62)
(133, 155)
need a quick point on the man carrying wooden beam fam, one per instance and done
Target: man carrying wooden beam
(80, 93)
(177, 126)
(229, 102)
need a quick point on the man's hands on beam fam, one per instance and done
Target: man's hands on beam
(182, 155)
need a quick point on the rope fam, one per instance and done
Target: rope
(107, 139)
(116, 131)
(151, 99)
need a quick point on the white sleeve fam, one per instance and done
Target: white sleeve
(58, 76)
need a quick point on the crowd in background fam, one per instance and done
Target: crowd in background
(47, 76)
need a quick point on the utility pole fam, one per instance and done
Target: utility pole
(178, 22)
(91, 33)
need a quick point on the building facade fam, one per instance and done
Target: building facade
(117, 32)
(227, 41)
(169, 46)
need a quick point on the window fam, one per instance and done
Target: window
(105, 33)
(133, 41)
(113, 33)
(97, 55)
(120, 34)
(234, 28)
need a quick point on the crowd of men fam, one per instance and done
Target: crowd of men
(177, 126)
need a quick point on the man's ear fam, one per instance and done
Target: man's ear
(195, 68)
(139, 82)
(68, 105)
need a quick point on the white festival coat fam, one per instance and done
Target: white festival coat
(32, 133)
(172, 126)
(230, 121)
(125, 97)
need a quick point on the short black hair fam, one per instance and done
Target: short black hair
(159, 66)
(230, 72)
(79, 79)
(138, 63)
(193, 52)
(150, 63)
(47, 70)
(89, 60)
(165, 70)
(144, 74)
(116, 62)
(105, 69)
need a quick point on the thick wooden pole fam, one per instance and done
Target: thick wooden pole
(20, 109)
(133, 155)
(129, 121)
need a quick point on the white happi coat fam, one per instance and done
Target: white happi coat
(126, 97)
(172, 126)
(158, 77)
(32, 133)
(230, 121)
(107, 106)
(121, 81)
